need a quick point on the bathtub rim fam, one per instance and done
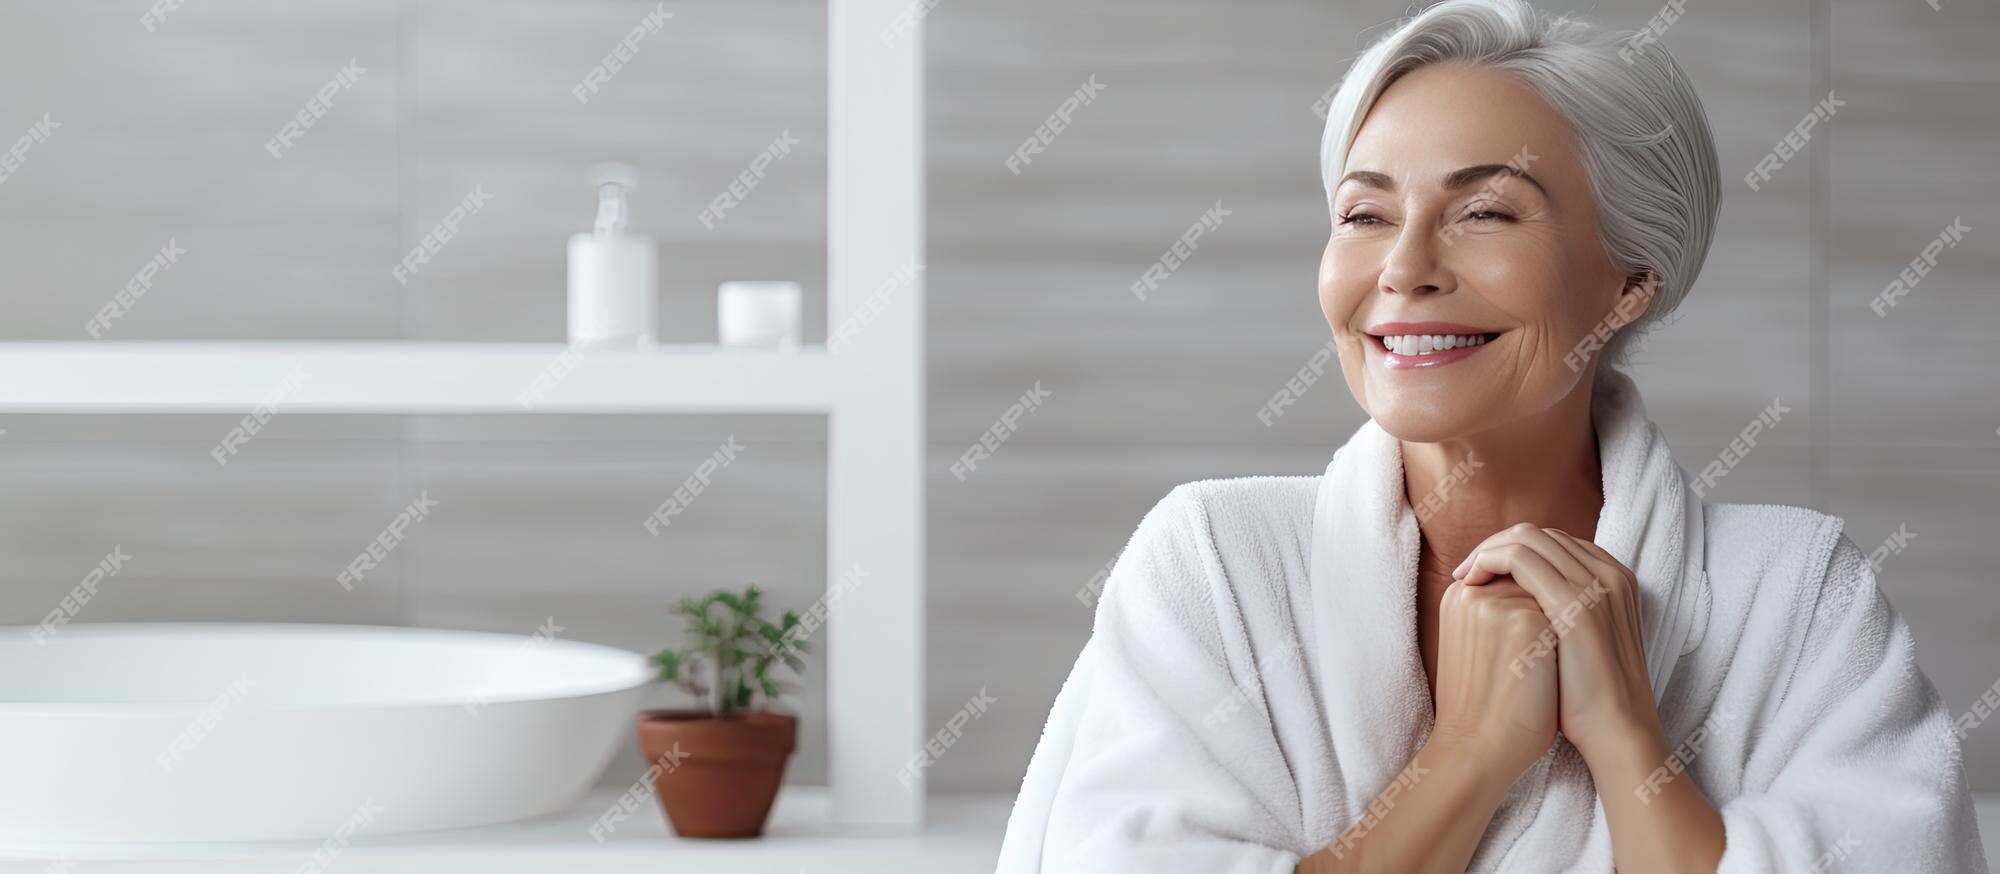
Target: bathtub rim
(640, 672)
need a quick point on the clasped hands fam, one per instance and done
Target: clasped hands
(1541, 631)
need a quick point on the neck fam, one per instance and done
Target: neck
(1542, 470)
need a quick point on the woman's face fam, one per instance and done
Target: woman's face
(1506, 266)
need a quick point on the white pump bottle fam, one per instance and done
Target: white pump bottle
(611, 272)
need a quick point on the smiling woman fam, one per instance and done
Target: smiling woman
(1513, 220)
(1502, 632)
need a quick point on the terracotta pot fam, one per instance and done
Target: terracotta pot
(716, 778)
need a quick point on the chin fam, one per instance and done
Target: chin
(1419, 422)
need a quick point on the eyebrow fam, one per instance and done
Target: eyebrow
(1452, 181)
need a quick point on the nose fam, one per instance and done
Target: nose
(1414, 265)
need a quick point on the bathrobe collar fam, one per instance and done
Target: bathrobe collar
(1364, 577)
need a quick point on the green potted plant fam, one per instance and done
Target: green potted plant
(719, 766)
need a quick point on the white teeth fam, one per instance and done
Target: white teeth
(1425, 344)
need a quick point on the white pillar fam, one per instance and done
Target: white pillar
(875, 437)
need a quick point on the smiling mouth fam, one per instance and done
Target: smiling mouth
(1421, 345)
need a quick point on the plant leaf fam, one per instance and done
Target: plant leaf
(733, 654)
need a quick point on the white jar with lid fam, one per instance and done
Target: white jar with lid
(758, 314)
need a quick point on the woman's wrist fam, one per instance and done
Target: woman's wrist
(1658, 816)
(1632, 743)
(1621, 764)
(1429, 818)
(1494, 760)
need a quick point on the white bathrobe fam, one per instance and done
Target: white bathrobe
(1253, 683)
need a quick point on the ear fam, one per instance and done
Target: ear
(1634, 299)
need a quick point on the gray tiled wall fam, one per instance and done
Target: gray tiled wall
(1028, 278)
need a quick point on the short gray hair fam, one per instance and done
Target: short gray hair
(1641, 132)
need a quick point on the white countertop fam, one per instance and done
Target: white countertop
(962, 835)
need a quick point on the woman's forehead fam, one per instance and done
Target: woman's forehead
(1442, 119)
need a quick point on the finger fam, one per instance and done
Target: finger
(1507, 590)
(1600, 563)
(1542, 541)
(1504, 535)
(1553, 592)
(1515, 559)
(1561, 550)
(1572, 546)
(1625, 606)
(1598, 551)
(1546, 546)
(1585, 545)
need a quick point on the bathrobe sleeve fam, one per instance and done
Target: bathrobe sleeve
(1858, 767)
(1159, 754)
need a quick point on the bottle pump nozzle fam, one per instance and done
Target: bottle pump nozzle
(612, 181)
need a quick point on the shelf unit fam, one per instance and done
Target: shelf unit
(391, 377)
(871, 393)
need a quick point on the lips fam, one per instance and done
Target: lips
(1427, 344)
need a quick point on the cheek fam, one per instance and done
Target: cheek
(1538, 290)
(1344, 283)
(1523, 284)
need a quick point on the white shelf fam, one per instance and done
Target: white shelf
(393, 377)
(960, 833)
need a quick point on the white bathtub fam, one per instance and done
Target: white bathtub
(209, 732)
